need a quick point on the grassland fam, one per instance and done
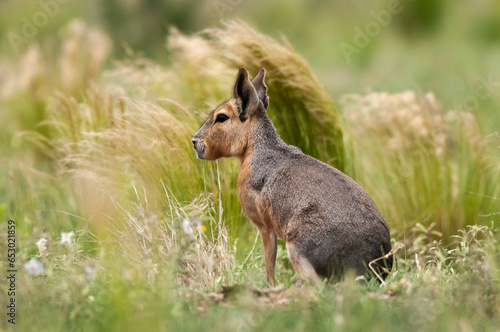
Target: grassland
(97, 143)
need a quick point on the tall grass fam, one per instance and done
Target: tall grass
(136, 124)
(421, 164)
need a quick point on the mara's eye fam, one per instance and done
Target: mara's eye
(221, 118)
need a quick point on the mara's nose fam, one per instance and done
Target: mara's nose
(194, 141)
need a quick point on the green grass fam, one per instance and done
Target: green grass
(102, 147)
(433, 287)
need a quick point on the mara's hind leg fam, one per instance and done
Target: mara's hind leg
(301, 265)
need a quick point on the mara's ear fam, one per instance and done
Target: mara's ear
(261, 87)
(245, 92)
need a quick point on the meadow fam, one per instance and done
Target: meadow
(120, 227)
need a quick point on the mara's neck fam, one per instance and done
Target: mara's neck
(263, 137)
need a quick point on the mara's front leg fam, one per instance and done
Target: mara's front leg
(270, 245)
(253, 207)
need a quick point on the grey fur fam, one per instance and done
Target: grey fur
(329, 217)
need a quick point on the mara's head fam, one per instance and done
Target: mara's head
(227, 130)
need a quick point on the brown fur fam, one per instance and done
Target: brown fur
(330, 224)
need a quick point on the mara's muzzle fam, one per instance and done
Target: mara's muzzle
(199, 147)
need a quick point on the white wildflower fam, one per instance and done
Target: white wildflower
(42, 245)
(90, 270)
(66, 237)
(186, 226)
(34, 267)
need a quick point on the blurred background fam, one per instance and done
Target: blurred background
(443, 46)
(99, 100)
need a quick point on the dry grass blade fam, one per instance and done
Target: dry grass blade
(371, 264)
